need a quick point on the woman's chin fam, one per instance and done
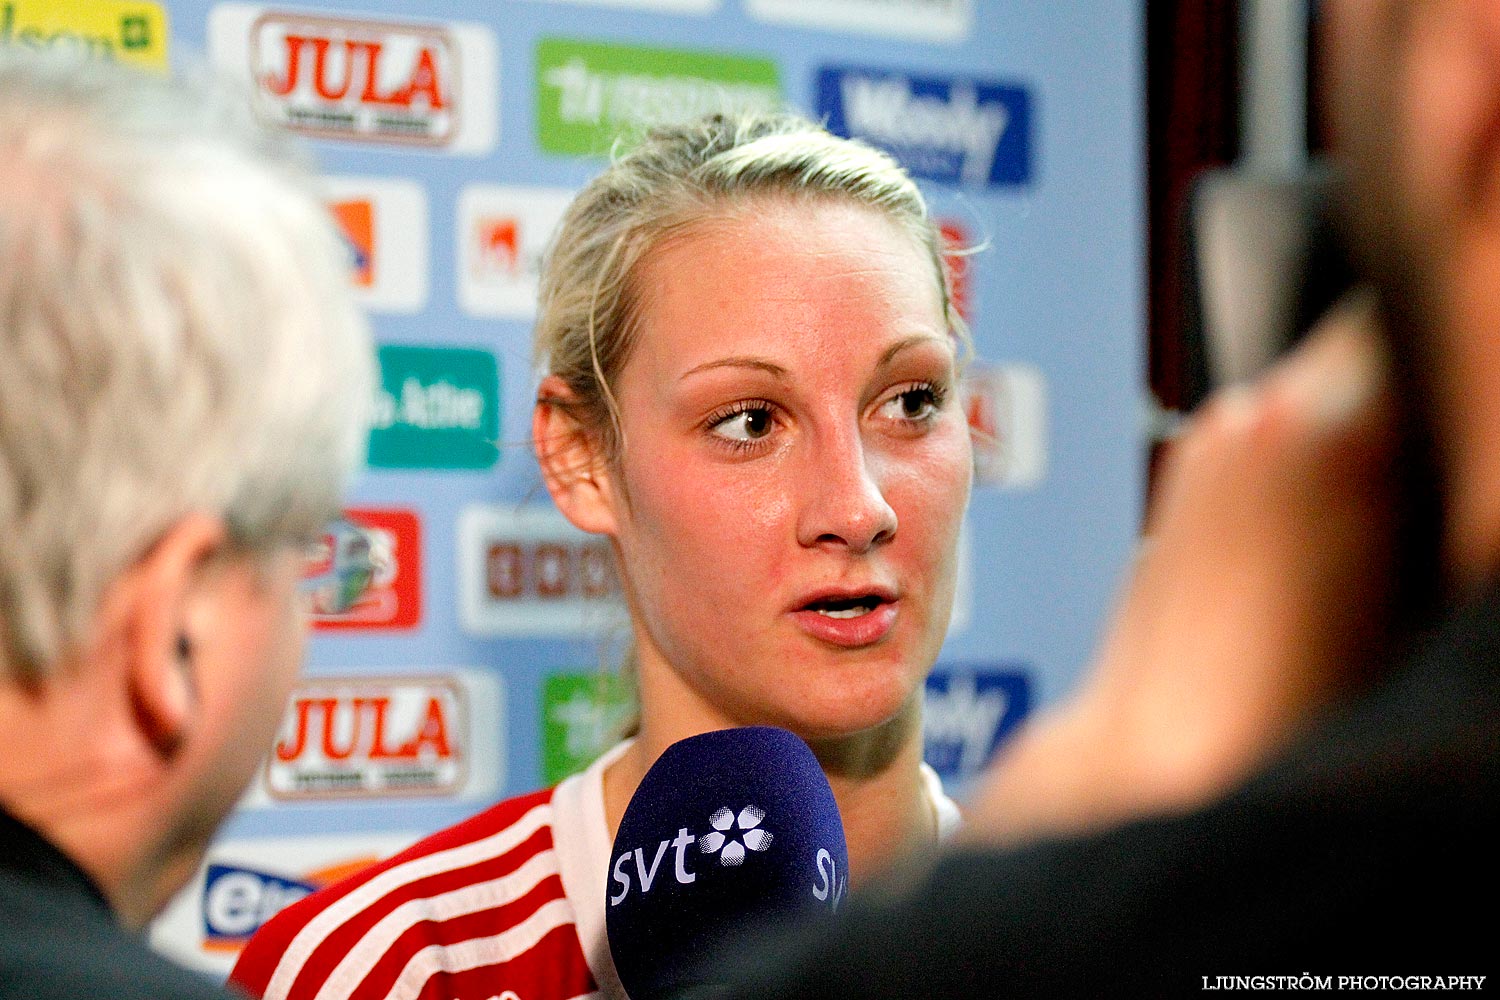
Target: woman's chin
(824, 719)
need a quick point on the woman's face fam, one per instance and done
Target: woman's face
(795, 469)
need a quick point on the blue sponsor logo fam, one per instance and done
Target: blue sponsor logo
(236, 901)
(957, 131)
(969, 710)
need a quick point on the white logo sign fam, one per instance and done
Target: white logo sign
(1007, 411)
(367, 80)
(925, 20)
(383, 223)
(502, 234)
(387, 737)
(527, 571)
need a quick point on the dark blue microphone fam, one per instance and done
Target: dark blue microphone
(727, 830)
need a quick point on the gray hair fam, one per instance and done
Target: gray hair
(677, 177)
(176, 335)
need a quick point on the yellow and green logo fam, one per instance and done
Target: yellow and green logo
(127, 31)
(588, 94)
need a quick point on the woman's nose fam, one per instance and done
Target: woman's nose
(844, 504)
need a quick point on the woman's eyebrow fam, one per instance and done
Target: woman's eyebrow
(759, 364)
(912, 341)
(777, 371)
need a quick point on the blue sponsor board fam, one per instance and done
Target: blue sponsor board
(969, 709)
(955, 130)
(236, 901)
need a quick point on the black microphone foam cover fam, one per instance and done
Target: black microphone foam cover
(727, 829)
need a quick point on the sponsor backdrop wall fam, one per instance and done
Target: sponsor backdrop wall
(452, 139)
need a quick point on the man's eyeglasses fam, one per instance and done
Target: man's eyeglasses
(340, 568)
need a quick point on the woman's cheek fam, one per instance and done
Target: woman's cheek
(935, 486)
(702, 526)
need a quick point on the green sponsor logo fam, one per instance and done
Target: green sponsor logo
(588, 94)
(582, 715)
(436, 408)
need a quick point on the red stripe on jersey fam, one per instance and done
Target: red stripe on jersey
(258, 963)
(486, 923)
(553, 970)
(419, 893)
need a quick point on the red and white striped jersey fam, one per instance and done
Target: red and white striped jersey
(507, 905)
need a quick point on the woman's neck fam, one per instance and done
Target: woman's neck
(883, 800)
(875, 775)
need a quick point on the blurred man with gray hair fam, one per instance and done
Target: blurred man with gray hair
(183, 393)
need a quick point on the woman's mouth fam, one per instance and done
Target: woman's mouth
(851, 607)
(848, 620)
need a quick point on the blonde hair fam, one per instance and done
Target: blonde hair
(679, 176)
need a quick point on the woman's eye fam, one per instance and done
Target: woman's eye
(750, 424)
(914, 404)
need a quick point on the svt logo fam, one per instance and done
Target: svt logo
(729, 838)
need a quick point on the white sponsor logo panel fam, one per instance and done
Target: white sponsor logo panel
(384, 223)
(527, 571)
(502, 234)
(1007, 410)
(394, 737)
(405, 83)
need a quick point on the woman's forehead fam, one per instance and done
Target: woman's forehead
(788, 265)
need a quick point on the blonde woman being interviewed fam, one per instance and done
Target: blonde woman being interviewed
(751, 363)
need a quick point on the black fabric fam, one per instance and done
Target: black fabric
(1369, 850)
(59, 940)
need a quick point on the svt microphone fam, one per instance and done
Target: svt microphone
(728, 829)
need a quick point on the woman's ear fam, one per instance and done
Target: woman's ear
(573, 459)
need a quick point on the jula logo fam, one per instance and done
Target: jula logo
(372, 736)
(362, 725)
(339, 77)
(352, 72)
